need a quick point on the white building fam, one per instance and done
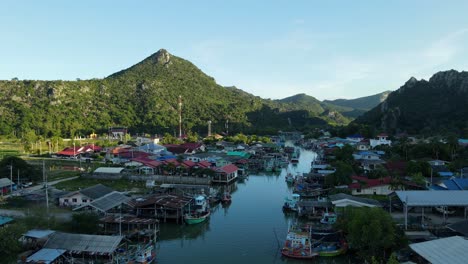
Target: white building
(381, 140)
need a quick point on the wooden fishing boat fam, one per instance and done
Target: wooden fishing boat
(201, 212)
(329, 244)
(290, 203)
(146, 254)
(298, 245)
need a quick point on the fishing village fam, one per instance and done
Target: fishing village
(183, 188)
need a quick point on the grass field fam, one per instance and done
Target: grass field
(118, 185)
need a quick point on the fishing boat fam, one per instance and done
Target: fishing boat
(295, 158)
(298, 245)
(146, 254)
(201, 212)
(289, 178)
(328, 244)
(328, 218)
(290, 203)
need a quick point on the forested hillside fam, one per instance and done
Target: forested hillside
(144, 98)
(439, 105)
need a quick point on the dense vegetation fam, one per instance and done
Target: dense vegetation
(437, 106)
(144, 98)
(363, 103)
(371, 232)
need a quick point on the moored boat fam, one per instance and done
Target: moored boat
(200, 214)
(328, 218)
(329, 244)
(289, 178)
(297, 245)
(290, 203)
(146, 254)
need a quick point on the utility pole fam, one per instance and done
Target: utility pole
(44, 176)
(209, 128)
(227, 127)
(11, 177)
(180, 116)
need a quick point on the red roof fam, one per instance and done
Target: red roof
(230, 168)
(364, 182)
(191, 146)
(242, 161)
(382, 135)
(204, 164)
(132, 154)
(171, 161)
(147, 161)
(188, 163)
(70, 151)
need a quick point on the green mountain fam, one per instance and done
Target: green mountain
(428, 107)
(363, 103)
(143, 98)
(330, 113)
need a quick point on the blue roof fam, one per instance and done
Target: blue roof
(356, 136)
(456, 184)
(445, 173)
(167, 157)
(45, 255)
(5, 220)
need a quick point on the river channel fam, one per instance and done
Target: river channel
(252, 229)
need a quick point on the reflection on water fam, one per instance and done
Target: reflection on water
(251, 229)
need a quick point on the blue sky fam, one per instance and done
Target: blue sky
(273, 49)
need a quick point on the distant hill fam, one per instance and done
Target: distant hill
(331, 114)
(439, 105)
(362, 103)
(144, 98)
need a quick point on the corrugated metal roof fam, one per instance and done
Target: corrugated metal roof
(335, 198)
(96, 191)
(45, 255)
(5, 182)
(38, 233)
(434, 198)
(109, 170)
(109, 201)
(5, 220)
(84, 243)
(445, 250)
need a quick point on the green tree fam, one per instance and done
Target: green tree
(341, 176)
(10, 247)
(27, 172)
(344, 154)
(85, 223)
(371, 231)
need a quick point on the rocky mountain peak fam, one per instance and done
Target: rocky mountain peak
(162, 57)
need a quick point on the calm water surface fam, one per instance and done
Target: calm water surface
(251, 229)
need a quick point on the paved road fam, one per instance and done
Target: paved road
(39, 187)
(20, 213)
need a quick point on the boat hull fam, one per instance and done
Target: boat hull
(191, 220)
(333, 253)
(287, 253)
